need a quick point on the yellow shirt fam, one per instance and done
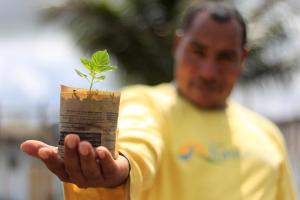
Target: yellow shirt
(179, 152)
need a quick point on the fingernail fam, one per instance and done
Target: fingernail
(21, 146)
(83, 150)
(43, 154)
(101, 153)
(71, 144)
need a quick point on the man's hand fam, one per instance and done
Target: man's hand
(82, 165)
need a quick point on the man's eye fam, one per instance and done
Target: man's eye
(199, 52)
(226, 57)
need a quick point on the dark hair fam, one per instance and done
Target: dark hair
(218, 11)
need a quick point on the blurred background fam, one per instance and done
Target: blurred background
(41, 43)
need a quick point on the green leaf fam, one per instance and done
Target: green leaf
(100, 78)
(104, 68)
(100, 58)
(96, 68)
(80, 73)
(88, 64)
(99, 63)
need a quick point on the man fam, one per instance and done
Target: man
(184, 141)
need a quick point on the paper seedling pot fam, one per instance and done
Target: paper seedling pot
(92, 115)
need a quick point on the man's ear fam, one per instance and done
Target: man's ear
(177, 38)
(245, 55)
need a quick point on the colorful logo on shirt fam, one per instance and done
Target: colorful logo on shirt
(212, 154)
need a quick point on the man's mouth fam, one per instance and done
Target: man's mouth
(205, 86)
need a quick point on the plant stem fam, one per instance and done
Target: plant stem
(92, 82)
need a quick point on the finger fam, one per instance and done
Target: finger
(90, 168)
(107, 162)
(71, 159)
(31, 147)
(54, 163)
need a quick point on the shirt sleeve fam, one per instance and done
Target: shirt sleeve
(286, 187)
(139, 140)
(285, 183)
(72, 192)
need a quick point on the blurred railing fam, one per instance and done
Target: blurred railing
(22, 177)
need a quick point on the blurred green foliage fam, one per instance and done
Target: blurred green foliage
(139, 34)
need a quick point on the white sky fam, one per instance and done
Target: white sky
(33, 66)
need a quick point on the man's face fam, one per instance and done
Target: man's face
(209, 58)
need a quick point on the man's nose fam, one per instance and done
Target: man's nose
(209, 69)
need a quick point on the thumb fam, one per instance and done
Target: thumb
(32, 147)
(108, 164)
(115, 172)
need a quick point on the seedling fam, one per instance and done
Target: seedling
(98, 64)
